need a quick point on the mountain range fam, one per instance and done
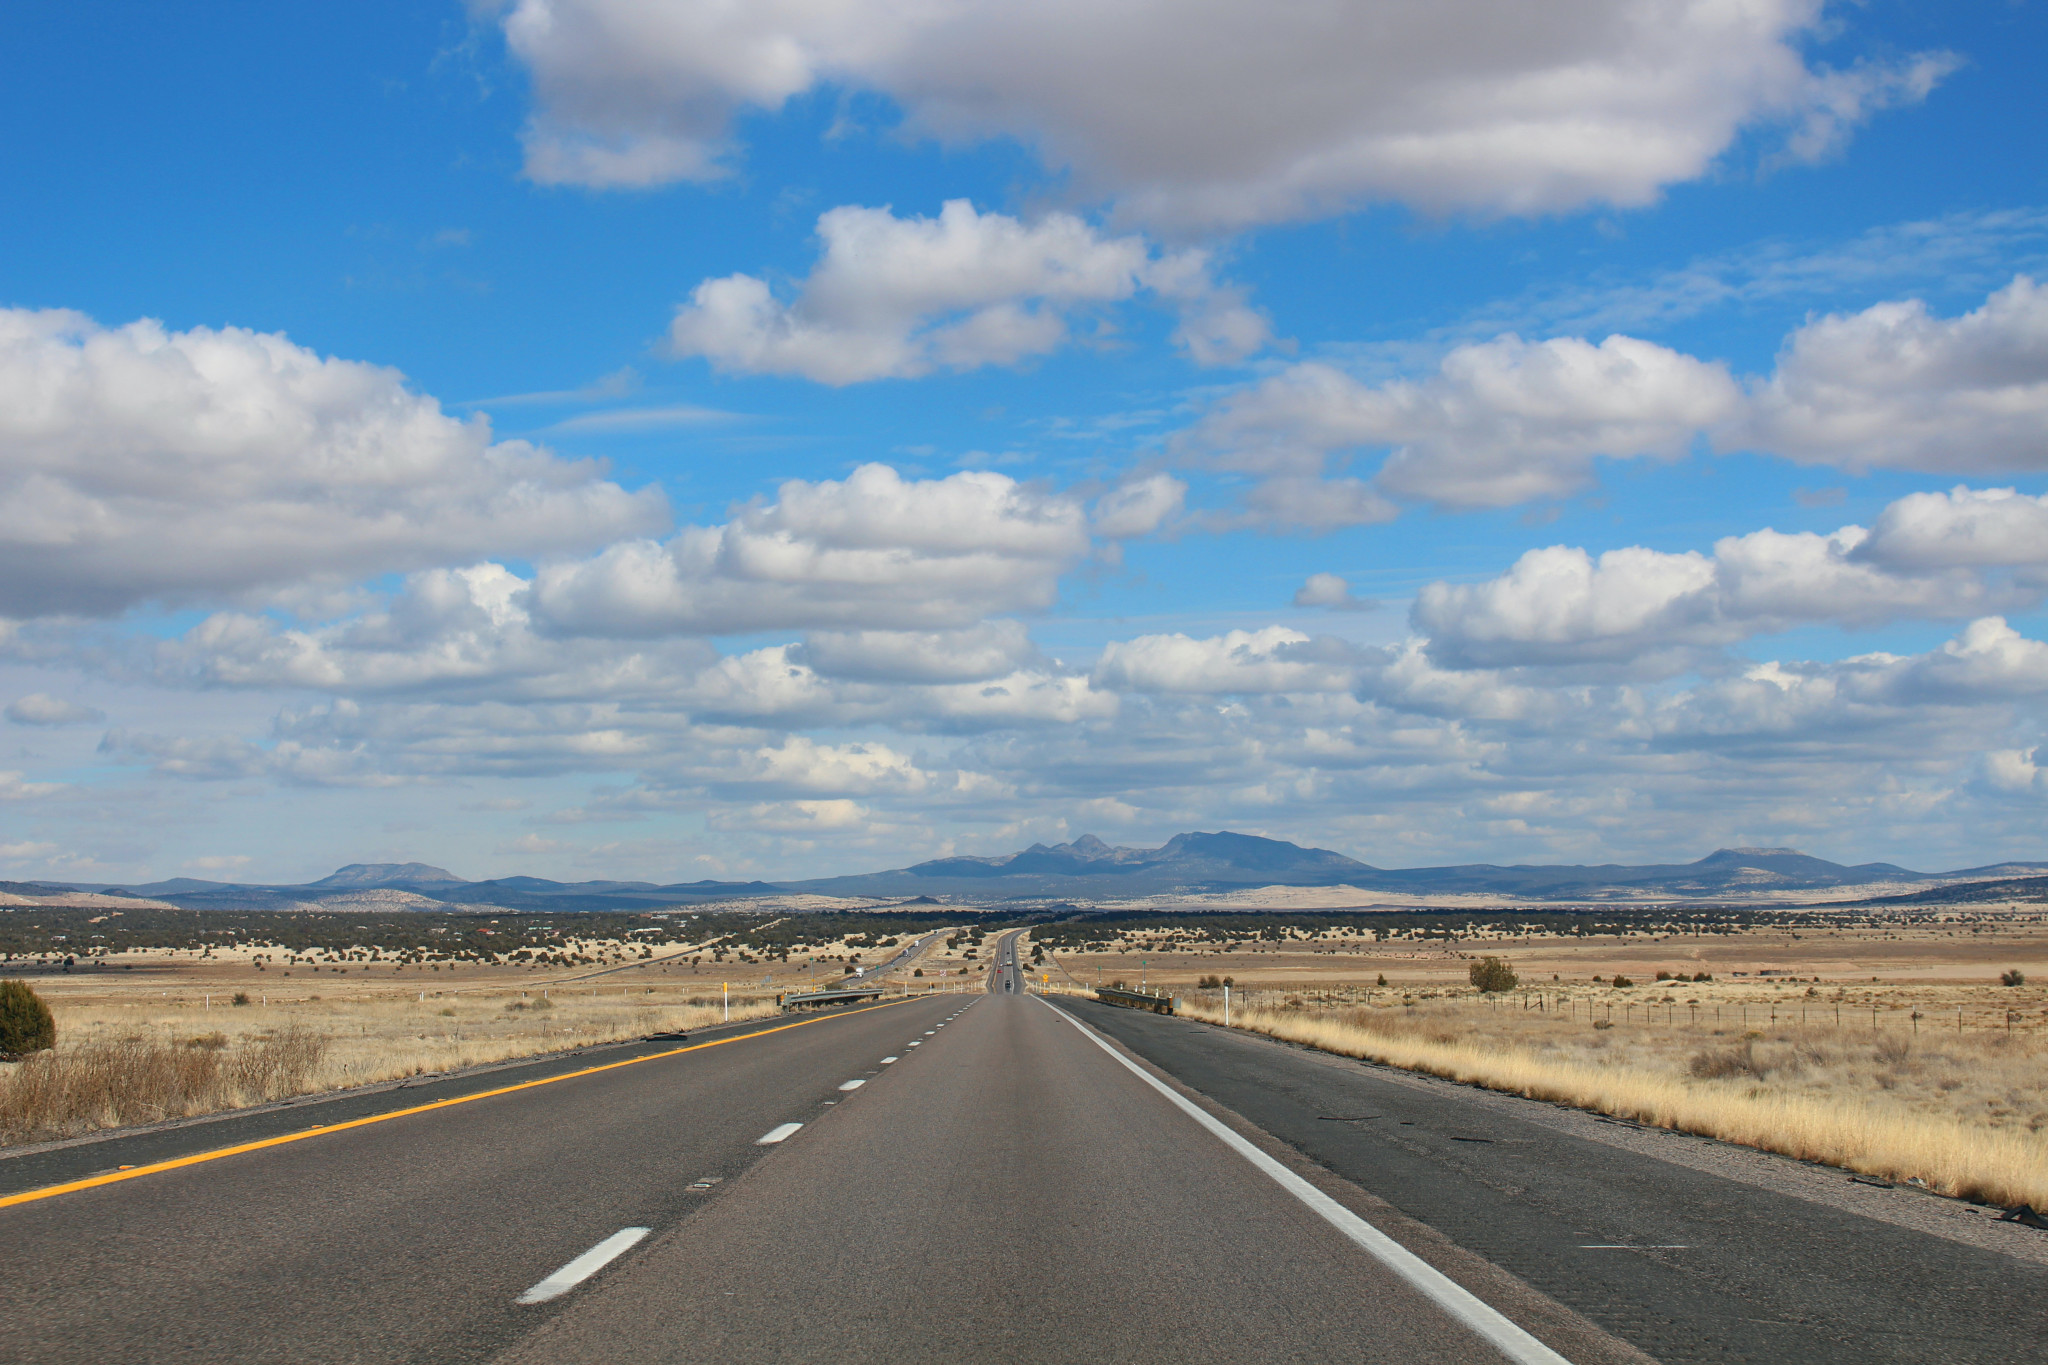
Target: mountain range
(1086, 867)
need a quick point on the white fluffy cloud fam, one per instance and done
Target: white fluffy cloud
(1895, 387)
(1511, 421)
(1222, 112)
(991, 649)
(1561, 605)
(40, 708)
(874, 551)
(1501, 422)
(146, 465)
(894, 298)
(1274, 659)
(1330, 590)
(1139, 506)
(1989, 527)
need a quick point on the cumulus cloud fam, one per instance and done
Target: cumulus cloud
(1225, 114)
(1274, 659)
(1875, 703)
(990, 649)
(1500, 422)
(15, 786)
(1895, 387)
(1989, 527)
(1510, 421)
(1561, 605)
(1329, 590)
(1139, 506)
(874, 551)
(148, 465)
(450, 631)
(2015, 771)
(792, 817)
(894, 298)
(40, 708)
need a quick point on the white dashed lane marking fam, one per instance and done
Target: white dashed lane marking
(851, 1085)
(586, 1265)
(777, 1134)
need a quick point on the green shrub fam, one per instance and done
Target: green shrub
(26, 1024)
(1623, 982)
(242, 998)
(1492, 975)
(2015, 977)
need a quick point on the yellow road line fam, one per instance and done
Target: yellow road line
(320, 1130)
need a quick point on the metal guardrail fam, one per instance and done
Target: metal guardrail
(1137, 1000)
(829, 997)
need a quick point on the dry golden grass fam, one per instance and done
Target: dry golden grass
(119, 1063)
(1963, 1115)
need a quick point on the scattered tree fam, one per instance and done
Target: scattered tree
(26, 1024)
(1492, 975)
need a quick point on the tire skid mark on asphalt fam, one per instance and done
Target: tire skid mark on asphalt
(322, 1130)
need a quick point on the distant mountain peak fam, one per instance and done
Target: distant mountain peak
(1088, 846)
(368, 875)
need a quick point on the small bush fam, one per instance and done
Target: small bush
(1383, 978)
(918, 972)
(1719, 1065)
(242, 998)
(1663, 975)
(2015, 977)
(1623, 982)
(1492, 975)
(1703, 976)
(26, 1024)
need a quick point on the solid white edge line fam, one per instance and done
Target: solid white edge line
(851, 1085)
(584, 1266)
(1469, 1309)
(776, 1134)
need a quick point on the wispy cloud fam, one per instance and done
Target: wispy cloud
(1968, 252)
(647, 419)
(617, 384)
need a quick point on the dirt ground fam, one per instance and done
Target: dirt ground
(1933, 970)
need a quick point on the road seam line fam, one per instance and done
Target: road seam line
(322, 1130)
(1473, 1312)
(584, 1266)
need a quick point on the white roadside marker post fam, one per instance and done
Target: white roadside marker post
(726, 987)
(1226, 1007)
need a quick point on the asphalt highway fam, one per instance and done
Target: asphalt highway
(997, 1176)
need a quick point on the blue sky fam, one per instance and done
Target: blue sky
(1652, 375)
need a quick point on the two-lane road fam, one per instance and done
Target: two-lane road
(997, 1176)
